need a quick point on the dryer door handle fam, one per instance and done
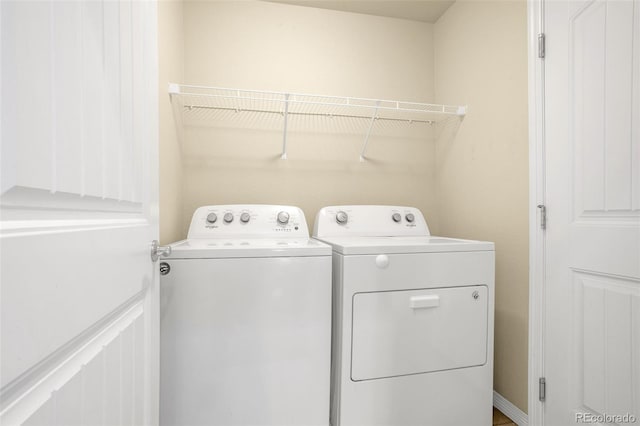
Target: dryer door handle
(427, 301)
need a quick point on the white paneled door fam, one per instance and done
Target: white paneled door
(78, 205)
(592, 260)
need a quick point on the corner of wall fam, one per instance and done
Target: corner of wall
(171, 69)
(482, 165)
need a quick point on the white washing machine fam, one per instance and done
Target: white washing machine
(412, 320)
(246, 321)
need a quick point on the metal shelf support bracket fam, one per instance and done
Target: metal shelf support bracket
(284, 132)
(366, 139)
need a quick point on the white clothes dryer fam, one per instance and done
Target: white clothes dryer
(412, 320)
(245, 320)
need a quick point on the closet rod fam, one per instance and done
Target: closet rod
(316, 114)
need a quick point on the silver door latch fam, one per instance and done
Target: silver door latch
(543, 216)
(158, 251)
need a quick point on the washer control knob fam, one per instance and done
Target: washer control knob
(244, 217)
(397, 217)
(410, 217)
(342, 217)
(228, 217)
(212, 217)
(283, 218)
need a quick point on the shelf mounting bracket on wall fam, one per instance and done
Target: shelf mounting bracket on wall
(366, 139)
(284, 133)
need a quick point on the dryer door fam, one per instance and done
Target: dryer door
(405, 332)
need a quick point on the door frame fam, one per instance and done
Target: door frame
(535, 23)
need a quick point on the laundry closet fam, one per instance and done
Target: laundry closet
(465, 169)
(121, 119)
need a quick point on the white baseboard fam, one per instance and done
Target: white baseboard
(510, 410)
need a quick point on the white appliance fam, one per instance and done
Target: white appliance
(412, 320)
(245, 320)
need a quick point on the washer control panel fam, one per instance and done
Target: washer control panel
(248, 220)
(373, 221)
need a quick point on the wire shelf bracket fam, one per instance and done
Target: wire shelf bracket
(284, 132)
(366, 138)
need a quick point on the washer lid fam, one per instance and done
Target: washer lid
(263, 247)
(393, 245)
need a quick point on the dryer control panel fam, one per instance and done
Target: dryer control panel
(248, 221)
(370, 221)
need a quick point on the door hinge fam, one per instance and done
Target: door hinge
(542, 389)
(543, 216)
(541, 45)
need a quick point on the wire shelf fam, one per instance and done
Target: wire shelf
(188, 98)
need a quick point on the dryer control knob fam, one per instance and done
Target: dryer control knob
(397, 217)
(410, 217)
(342, 217)
(212, 217)
(245, 217)
(228, 217)
(283, 218)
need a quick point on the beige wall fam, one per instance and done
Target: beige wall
(268, 46)
(482, 178)
(171, 69)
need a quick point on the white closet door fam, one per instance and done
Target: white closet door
(592, 125)
(78, 205)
